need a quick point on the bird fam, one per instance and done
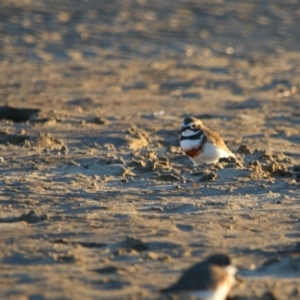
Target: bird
(201, 144)
(211, 279)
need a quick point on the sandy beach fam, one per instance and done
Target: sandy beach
(97, 199)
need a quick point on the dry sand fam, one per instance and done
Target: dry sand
(97, 200)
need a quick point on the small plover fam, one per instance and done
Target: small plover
(201, 144)
(211, 279)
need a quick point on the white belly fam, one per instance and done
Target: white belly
(220, 293)
(211, 154)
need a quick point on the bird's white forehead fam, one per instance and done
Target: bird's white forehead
(191, 123)
(186, 125)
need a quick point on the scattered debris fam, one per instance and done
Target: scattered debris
(83, 244)
(68, 258)
(174, 149)
(276, 169)
(266, 170)
(166, 177)
(13, 139)
(16, 114)
(30, 218)
(136, 139)
(115, 161)
(137, 163)
(244, 149)
(227, 159)
(127, 172)
(46, 141)
(161, 163)
(208, 176)
(107, 270)
(133, 243)
(155, 256)
(152, 155)
(98, 121)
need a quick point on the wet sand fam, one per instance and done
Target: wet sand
(97, 199)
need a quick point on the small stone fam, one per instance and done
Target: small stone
(244, 149)
(208, 176)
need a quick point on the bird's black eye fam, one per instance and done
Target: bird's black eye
(193, 126)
